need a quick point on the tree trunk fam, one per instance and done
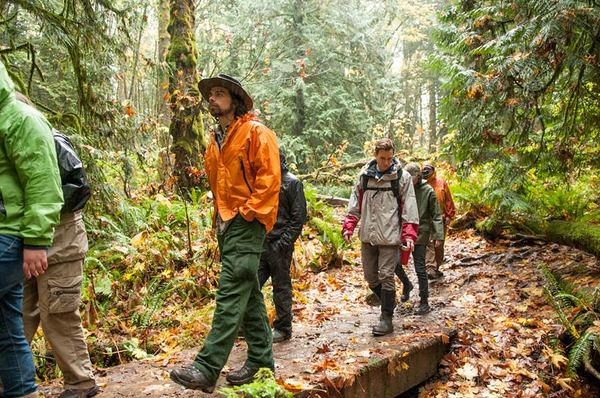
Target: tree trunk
(298, 26)
(162, 71)
(432, 147)
(187, 127)
(132, 85)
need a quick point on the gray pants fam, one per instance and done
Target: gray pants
(379, 263)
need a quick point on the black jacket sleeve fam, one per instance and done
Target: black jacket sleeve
(297, 214)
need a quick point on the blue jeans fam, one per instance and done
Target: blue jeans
(16, 363)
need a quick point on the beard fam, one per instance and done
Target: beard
(216, 111)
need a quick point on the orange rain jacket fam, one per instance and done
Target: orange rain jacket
(444, 197)
(245, 175)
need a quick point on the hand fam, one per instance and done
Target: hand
(447, 220)
(438, 243)
(347, 236)
(410, 245)
(35, 262)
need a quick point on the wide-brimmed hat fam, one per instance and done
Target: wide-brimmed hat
(230, 83)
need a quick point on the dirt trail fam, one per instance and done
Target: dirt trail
(491, 293)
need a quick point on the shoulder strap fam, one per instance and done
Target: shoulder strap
(396, 187)
(364, 181)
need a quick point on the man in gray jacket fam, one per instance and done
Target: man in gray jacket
(384, 199)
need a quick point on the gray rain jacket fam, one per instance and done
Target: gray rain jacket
(377, 207)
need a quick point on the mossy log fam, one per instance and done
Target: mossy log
(581, 235)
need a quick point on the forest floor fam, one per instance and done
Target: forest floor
(491, 293)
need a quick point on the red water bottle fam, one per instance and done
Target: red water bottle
(404, 255)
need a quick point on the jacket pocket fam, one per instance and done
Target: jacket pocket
(65, 294)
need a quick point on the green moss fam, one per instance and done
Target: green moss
(581, 235)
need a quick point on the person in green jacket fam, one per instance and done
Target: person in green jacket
(431, 226)
(30, 203)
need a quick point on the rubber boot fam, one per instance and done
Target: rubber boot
(406, 285)
(374, 299)
(388, 303)
(424, 307)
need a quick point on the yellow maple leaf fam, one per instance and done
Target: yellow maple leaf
(555, 357)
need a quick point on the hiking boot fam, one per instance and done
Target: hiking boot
(424, 308)
(406, 289)
(192, 378)
(435, 274)
(243, 375)
(80, 393)
(279, 336)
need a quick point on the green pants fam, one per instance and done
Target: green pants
(239, 302)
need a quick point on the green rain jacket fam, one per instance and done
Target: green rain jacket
(30, 190)
(431, 225)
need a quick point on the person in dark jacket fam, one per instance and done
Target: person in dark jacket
(279, 247)
(431, 227)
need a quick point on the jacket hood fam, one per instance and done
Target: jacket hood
(7, 88)
(392, 171)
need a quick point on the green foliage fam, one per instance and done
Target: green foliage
(322, 217)
(521, 89)
(556, 199)
(263, 386)
(579, 312)
(531, 203)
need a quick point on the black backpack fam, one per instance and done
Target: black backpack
(395, 186)
(75, 186)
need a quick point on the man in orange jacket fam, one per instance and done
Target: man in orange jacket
(444, 197)
(242, 165)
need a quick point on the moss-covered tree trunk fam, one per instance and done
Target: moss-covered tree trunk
(187, 129)
(581, 235)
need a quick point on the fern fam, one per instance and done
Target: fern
(331, 233)
(582, 321)
(582, 349)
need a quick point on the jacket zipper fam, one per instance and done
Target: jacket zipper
(244, 174)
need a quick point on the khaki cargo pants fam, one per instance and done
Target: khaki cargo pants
(53, 299)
